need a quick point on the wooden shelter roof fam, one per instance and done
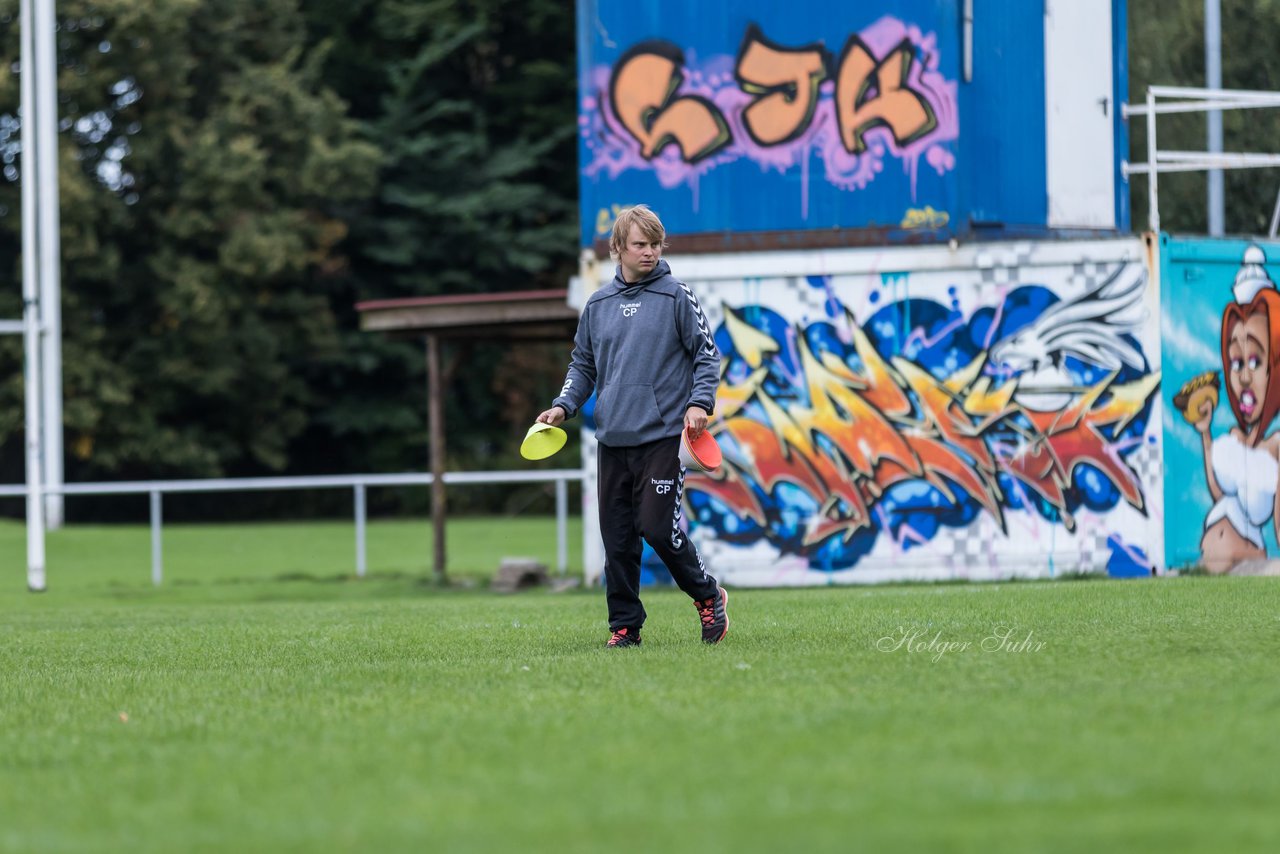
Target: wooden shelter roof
(513, 316)
(522, 315)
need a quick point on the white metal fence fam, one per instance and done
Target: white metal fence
(358, 483)
(1163, 100)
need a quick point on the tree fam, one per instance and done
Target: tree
(202, 162)
(236, 174)
(473, 106)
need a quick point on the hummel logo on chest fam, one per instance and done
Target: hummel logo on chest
(630, 308)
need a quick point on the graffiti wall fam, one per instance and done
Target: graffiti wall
(985, 412)
(760, 116)
(776, 107)
(1221, 341)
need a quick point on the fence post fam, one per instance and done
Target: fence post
(1153, 176)
(562, 523)
(157, 563)
(360, 533)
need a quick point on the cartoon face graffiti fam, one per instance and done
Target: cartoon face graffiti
(1248, 366)
(1250, 349)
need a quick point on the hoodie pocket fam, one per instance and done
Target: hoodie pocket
(630, 408)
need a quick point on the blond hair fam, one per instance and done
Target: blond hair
(650, 227)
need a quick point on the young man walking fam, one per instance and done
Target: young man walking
(644, 345)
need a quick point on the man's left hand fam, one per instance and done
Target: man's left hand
(695, 421)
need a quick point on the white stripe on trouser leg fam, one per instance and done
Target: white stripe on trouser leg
(677, 536)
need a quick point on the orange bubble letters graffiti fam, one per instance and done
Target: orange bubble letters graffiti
(785, 81)
(642, 94)
(871, 92)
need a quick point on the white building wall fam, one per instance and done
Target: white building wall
(1079, 113)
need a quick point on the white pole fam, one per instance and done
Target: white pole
(361, 515)
(966, 25)
(31, 312)
(562, 526)
(1275, 219)
(157, 553)
(1153, 195)
(1213, 80)
(45, 120)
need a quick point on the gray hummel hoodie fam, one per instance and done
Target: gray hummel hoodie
(648, 349)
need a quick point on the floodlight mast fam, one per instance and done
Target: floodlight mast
(1213, 80)
(45, 119)
(31, 311)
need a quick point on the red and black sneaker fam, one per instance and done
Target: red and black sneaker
(624, 636)
(715, 619)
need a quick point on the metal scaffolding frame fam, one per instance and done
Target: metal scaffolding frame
(1186, 99)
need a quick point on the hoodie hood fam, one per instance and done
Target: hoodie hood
(662, 268)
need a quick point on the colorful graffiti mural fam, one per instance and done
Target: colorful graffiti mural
(1222, 337)
(959, 423)
(756, 125)
(882, 96)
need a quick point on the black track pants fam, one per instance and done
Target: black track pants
(640, 490)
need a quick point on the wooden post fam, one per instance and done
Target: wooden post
(435, 424)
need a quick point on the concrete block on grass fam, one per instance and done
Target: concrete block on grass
(519, 573)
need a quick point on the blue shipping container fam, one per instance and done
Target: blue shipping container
(756, 116)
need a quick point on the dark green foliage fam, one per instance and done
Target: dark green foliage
(472, 106)
(191, 303)
(236, 174)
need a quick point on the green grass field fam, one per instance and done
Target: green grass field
(246, 707)
(82, 555)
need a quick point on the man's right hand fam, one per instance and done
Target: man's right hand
(553, 416)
